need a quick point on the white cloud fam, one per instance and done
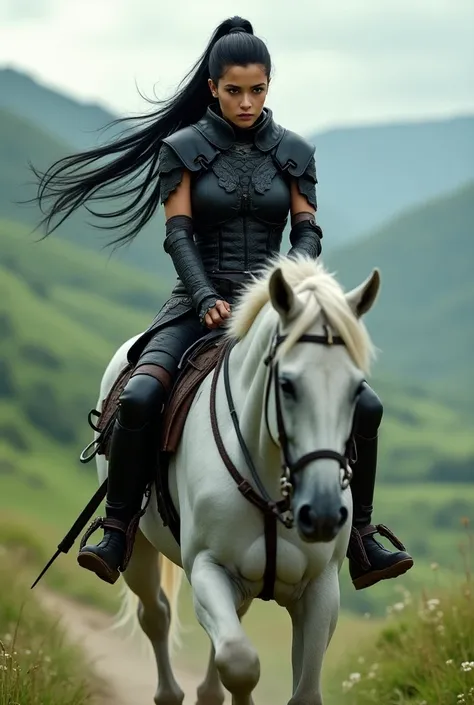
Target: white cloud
(336, 62)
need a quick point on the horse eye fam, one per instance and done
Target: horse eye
(287, 387)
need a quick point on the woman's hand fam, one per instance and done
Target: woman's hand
(217, 315)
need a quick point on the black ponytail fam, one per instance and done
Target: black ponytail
(131, 159)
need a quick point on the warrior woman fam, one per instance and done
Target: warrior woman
(228, 177)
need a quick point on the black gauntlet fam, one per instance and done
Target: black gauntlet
(305, 237)
(180, 245)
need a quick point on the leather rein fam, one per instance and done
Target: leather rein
(272, 510)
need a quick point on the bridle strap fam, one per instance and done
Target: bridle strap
(272, 510)
(264, 502)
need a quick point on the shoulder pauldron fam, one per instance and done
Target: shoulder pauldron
(192, 148)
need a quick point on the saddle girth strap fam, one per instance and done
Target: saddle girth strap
(269, 576)
(269, 509)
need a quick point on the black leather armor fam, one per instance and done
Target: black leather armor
(240, 198)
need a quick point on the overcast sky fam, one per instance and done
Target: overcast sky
(336, 61)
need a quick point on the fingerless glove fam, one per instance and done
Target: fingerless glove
(179, 244)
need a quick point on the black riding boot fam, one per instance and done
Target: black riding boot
(369, 561)
(133, 455)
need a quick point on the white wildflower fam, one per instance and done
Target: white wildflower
(346, 686)
(432, 604)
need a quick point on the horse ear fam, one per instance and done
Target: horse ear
(362, 298)
(281, 293)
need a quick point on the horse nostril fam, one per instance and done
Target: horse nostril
(306, 518)
(343, 514)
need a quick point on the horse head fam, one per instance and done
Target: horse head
(319, 358)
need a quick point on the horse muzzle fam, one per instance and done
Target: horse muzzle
(323, 527)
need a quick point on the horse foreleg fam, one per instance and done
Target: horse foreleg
(211, 692)
(216, 603)
(314, 617)
(143, 578)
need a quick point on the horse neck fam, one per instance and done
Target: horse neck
(248, 379)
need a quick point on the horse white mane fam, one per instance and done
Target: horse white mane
(324, 295)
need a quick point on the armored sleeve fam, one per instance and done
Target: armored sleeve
(170, 170)
(307, 183)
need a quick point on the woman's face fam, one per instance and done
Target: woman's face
(241, 92)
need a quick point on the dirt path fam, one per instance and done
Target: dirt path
(130, 677)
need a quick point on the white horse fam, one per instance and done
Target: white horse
(312, 387)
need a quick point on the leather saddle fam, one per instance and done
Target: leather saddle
(197, 362)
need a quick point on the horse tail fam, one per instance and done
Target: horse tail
(171, 578)
(127, 616)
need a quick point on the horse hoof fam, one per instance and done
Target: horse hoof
(165, 696)
(207, 698)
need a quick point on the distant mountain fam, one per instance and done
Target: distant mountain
(423, 321)
(366, 174)
(66, 119)
(377, 171)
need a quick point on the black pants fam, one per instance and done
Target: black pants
(133, 446)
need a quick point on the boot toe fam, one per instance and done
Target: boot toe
(373, 576)
(89, 559)
(105, 558)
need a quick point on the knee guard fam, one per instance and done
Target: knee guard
(368, 413)
(141, 402)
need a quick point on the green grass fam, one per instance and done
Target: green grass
(37, 665)
(63, 313)
(423, 654)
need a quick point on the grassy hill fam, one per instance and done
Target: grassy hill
(37, 662)
(23, 142)
(423, 319)
(422, 654)
(64, 311)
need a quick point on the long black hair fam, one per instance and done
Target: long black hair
(77, 180)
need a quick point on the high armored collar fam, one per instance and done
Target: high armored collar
(220, 133)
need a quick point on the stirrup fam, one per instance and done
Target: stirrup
(129, 530)
(383, 531)
(356, 549)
